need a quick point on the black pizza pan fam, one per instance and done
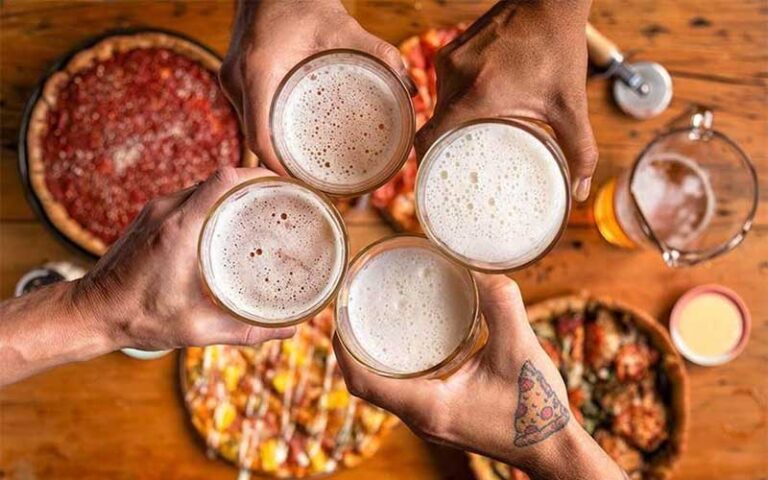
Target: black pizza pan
(59, 64)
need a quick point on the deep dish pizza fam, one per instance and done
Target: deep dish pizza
(395, 199)
(129, 119)
(626, 384)
(281, 408)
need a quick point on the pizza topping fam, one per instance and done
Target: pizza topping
(281, 408)
(633, 361)
(602, 340)
(618, 394)
(644, 426)
(140, 124)
(627, 457)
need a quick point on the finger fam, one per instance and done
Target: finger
(213, 326)
(392, 57)
(499, 9)
(158, 208)
(504, 311)
(403, 397)
(257, 105)
(223, 180)
(231, 85)
(574, 133)
(445, 119)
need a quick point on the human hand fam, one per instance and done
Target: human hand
(269, 38)
(477, 407)
(147, 289)
(526, 59)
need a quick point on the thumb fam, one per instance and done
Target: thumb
(403, 397)
(213, 326)
(504, 311)
(574, 133)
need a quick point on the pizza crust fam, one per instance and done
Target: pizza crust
(672, 362)
(37, 128)
(484, 468)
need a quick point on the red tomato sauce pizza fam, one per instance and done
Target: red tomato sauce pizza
(127, 120)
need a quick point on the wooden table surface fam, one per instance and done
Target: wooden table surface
(115, 417)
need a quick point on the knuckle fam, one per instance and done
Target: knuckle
(445, 58)
(168, 234)
(569, 102)
(509, 289)
(432, 422)
(195, 334)
(425, 137)
(225, 176)
(387, 52)
(356, 387)
(153, 209)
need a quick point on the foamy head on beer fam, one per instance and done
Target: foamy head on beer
(406, 309)
(493, 195)
(273, 251)
(342, 122)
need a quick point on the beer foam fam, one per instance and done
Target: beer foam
(494, 193)
(342, 125)
(409, 308)
(675, 196)
(275, 251)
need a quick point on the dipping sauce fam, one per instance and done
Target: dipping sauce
(709, 325)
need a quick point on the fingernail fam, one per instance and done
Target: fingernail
(412, 89)
(581, 188)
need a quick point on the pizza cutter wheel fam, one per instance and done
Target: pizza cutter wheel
(642, 90)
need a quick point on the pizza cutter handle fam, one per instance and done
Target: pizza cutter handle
(602, 52)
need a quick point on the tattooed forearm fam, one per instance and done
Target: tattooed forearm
(539, 412)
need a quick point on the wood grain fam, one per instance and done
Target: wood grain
(115, 417)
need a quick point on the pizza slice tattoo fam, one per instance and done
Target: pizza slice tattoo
(539, 412)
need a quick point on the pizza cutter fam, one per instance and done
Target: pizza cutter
(642, 90)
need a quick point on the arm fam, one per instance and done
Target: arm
(269, 38)
(145, 292)
(44, 329)
(478, 408)
(523, 58)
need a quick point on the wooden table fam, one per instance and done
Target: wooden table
(115, 417)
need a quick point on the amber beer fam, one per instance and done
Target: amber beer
(668, 195)
(273, 251)
(605, 216)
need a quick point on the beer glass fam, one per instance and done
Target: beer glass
(469, 328)
(494, 193)
(691, 194)
(273, 252)
(342, 121)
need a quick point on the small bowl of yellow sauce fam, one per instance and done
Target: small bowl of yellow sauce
(710, 325)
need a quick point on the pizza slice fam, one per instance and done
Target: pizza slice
(539, 412)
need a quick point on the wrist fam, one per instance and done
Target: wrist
(571, 453)
(90, 306)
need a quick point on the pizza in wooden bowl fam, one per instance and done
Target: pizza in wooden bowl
(281, 409)
(395, 199)
(130, 118)
(627, 385)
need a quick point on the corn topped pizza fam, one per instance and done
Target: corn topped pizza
(281, 408)
(626, 384)
(126, 120)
